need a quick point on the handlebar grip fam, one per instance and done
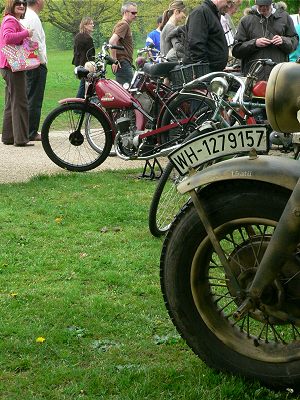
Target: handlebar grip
(115, 47)
(110, 60)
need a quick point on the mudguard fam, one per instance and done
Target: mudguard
(277, 170)
(94, 106)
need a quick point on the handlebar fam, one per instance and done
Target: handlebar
(238, 97)
(107, 46)
(110, 60)
(147, 49)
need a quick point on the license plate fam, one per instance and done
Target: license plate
(218, 144)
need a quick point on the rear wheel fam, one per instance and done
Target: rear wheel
(76, 139)
(190, 111)
(265, 343)
(166, 201)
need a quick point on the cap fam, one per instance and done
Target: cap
(263, 2)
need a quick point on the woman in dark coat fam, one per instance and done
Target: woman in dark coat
(84, 49)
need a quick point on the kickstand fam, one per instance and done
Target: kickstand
(155, 170)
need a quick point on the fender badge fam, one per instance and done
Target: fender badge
(107, 97)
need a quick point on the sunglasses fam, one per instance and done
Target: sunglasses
(133, 12)
(20, 3)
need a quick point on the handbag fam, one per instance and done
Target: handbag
(22, 57)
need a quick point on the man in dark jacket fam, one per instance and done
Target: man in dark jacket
(265, 32)
(205, 39)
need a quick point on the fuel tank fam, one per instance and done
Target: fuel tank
(259, 89)
(283, 97)
(112, 95)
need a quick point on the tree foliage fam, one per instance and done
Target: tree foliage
(67, 14)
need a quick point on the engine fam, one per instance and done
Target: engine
(128, 136)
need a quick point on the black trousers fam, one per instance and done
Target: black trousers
(35, 84)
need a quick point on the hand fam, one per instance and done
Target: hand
(277, 40)
(115, 67)
(30, 32)
(263, 42)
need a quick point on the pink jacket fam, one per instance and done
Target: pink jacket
(11, 32)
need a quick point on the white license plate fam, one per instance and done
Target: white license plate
(218, 144)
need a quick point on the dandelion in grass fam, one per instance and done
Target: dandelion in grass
(40, 339)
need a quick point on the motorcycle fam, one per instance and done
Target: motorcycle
(230, 263)
(236, 101)
(79, 134)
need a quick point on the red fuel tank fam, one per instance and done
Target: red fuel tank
(112, 95)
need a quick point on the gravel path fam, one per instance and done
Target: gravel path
(20, 164)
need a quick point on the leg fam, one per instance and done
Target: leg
(124, 74)
(81, 89)
(15, 124)
(36, 82)
(7, 129)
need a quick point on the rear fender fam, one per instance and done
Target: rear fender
(104, 116)
(276, 170)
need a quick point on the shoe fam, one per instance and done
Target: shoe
(24, 144)
(8, 143)
(36, 138)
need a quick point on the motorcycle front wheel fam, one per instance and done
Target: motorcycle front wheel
(265, 343)
(76, 139)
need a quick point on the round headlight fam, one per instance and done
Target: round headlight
(219, 86)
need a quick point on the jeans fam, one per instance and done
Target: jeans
(125, 73)
(81, 89)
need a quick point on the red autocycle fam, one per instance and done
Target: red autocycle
(80, 133)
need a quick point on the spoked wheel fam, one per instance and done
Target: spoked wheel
(201, 299)
(190, 111)
(69, 144)
(166, 201)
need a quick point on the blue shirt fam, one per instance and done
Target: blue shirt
(296, 54)
(154, 37)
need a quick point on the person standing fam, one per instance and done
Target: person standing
(296, 54)
(265, 33)
(15, 118)
(230, 29)
(154, 36)
(171, 18)
(36, 78)
(122, 36)
(205, 38)
(84, 49)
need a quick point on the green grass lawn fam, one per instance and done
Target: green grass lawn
(82, 315)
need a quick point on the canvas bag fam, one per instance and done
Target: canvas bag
(22, 57)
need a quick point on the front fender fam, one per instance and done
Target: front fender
(277, 170)
(100, 110)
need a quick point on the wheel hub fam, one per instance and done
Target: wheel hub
(76, 138)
